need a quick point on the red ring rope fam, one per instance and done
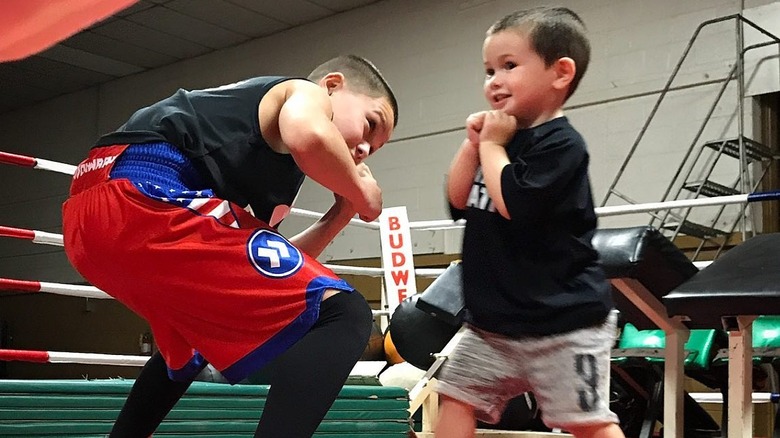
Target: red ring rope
(19, 160)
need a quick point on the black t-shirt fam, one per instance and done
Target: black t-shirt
(536, 274)
(218, 130)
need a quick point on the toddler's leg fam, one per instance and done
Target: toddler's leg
(456, 419)
(604, 430)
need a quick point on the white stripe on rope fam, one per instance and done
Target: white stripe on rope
(45, 238)
(378, 272)
(73, 290)
(92, 292)
(40, 356)
(55, 288)
(34, 235)
(613, 210)
(670, 205)
(54, 166)
(97, 359)
(56, 239)
(69, 169)
(314, 215)
(367, 368)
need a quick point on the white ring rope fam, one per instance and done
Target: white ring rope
(42, 237)
(54, 166)
(38, 163)
(41, 356)
(75, 290)
(314, 215)
(45, 238)
(56, 240)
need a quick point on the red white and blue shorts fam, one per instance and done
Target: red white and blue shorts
(215, 283)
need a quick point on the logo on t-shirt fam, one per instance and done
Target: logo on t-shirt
(478, 197)
(273, 255)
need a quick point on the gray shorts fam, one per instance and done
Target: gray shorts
(567, 373)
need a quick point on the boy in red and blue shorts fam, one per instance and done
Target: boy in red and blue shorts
(175, 215)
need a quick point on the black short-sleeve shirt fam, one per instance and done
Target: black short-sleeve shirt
(218, 130)
(536, 274)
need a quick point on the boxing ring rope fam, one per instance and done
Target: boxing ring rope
(70, 290)
(421, 396)
(54, 239)
(46, 238)
(68, 169)
(40, 356)
(37, 163)
(36, 236)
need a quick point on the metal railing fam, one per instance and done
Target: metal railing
(687, 165)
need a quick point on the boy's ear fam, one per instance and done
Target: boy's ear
(565, 69)
(332, 81)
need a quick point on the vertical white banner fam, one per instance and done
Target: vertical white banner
(397, 257)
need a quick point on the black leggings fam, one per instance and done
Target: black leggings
(305, 380)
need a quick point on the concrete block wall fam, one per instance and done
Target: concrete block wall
(430, 52)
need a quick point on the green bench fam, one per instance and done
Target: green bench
(701, 347)
(704, 348)
(766, 342)
(87, 408)
(639, 359)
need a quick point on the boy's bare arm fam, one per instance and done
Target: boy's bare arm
(460, 177)
(464, 165)
(314, 239)
(494, 159)
(320, 151)
(497, 130)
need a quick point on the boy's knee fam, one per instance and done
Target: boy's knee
(361, 310)
(357, 313)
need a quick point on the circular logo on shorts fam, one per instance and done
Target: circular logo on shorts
(273, 255)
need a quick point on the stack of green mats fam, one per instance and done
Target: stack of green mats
(87, 408)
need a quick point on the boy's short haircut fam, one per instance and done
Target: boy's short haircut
(554, 33)
(362, 76)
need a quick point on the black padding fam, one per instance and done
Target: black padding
(443, 299)
(744, 281)
(418, 335)
(644, 254)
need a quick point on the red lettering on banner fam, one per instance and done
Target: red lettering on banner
(400, 241)
(396, 242)
(394, 223)
(400, 277)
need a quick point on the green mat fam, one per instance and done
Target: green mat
(87, 408)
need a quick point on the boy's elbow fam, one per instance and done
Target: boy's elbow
(304, 141)
(301, 135)
(501, 209)
(457, 200)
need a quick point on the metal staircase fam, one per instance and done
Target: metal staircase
(757, 159)
(742, 161)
